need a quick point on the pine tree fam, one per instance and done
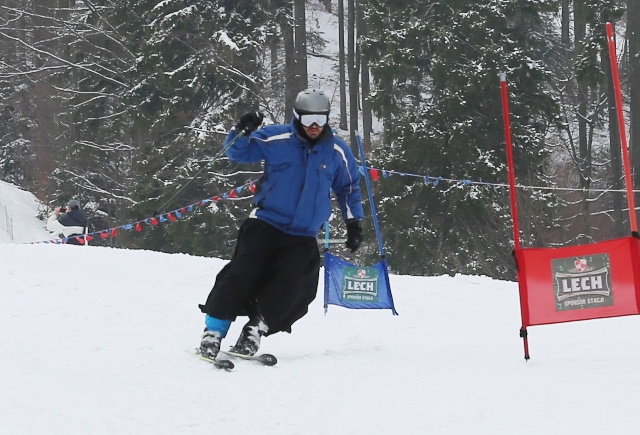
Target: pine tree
(198, 71)
(444, 119)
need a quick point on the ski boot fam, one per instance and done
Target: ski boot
(249, 341)
(210, 344)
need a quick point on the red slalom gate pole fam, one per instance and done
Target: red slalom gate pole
(510, 166)
(623, 135)
(514, 200)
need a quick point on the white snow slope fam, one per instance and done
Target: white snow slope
(94, 342)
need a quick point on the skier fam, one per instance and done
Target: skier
(273, 275)
(69, 222)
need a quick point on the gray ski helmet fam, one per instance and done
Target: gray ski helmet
(312, 101)
(73, 203)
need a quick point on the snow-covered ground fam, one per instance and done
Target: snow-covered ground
(18, 211)
(94, 342)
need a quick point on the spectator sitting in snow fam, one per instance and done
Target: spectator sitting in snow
(71, 223)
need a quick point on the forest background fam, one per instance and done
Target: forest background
(120, 103)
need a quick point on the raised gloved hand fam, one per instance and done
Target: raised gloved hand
(354, 235)
(250, 122)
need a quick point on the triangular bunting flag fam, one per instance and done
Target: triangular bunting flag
(374, 174)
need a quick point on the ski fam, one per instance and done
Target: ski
(264, 358)
(223, 364)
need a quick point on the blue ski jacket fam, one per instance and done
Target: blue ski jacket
(294, 192)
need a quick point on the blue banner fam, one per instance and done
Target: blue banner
(360, 287)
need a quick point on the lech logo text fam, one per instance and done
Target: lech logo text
(582, 282)
(360, 284)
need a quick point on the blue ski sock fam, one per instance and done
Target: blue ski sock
(218, 325)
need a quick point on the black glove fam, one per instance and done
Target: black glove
(354, 235)
(250, 122)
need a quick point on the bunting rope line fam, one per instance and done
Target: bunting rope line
(429, 180)
(179, 213)
(170, 216)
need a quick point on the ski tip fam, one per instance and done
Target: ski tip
(223, 364)
(268, 359)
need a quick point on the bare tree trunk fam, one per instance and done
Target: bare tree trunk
(45, 108)
(290, 81)
(353, 74)
(615, 151)
(367, 116)
(300, 48)
(341, 66)
(566, 19)
(273, 63)
(387, 86)
(580, 26)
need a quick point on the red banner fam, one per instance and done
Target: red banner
(579, 282)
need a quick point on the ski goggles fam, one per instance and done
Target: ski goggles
(308, 119)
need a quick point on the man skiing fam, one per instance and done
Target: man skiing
(273, 275)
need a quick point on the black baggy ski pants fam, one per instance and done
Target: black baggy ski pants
(272, 273)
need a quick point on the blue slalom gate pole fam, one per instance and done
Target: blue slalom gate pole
(374, 214)
(370, 193)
